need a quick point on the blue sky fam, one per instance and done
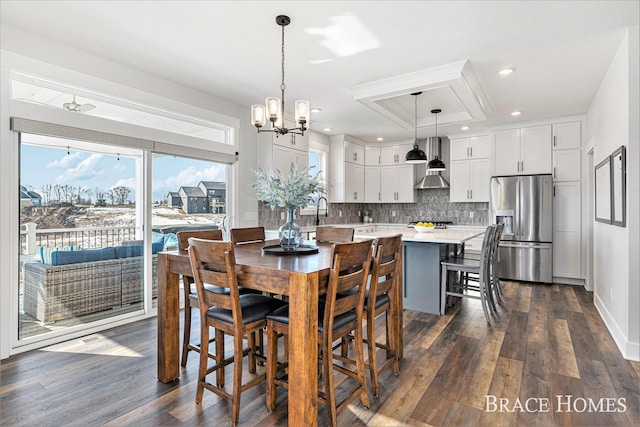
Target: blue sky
(43, 165)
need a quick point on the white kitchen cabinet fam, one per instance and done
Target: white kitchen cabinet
(522, 151)
(371, 156)
(372, 184)
(347, 170)
(474, 147)
(396, 184)
(566, 230)
(566, 165)
(469, 180)
(566, 135)
(394, 154)
(284, 156)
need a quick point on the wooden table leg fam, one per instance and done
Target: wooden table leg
(168, 322)
(303, 349)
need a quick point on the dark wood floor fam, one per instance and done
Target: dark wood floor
(549, 341)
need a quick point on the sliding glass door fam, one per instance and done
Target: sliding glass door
(81, 241)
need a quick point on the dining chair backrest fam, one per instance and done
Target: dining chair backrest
(213, 263)
(497, 236)
(350, 263)
(485, 252)
(183, 237)
(384, 273)
(247, 235)
(334, 234)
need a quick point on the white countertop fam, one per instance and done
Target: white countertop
(447, 235)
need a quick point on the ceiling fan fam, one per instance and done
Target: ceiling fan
(78, 108)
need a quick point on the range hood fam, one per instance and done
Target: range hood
(432, 179)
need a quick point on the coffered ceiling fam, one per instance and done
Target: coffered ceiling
(357, 61)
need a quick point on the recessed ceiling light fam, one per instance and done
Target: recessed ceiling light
(506, 71)
(516, 113)
(327, 129)
(465, 128)
(380, 138)
(316, 110)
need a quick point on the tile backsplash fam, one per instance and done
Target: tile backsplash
(433, 204)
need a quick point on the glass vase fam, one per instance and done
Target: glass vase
(290, 233)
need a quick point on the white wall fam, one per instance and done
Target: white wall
(22, 51)
(612, 121)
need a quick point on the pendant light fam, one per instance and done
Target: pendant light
(273, 110)
(416, 155)
(436, 164)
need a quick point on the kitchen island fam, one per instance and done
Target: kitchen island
(421, 256)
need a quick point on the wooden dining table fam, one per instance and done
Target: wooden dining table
(300, 277)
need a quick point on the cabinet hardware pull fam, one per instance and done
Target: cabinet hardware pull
(471, 194)
(379, 197)
(554, 140)
(379, 160)
(355, 157)
(554, 191)
(467, 151)
(470, 151)
(554, 172)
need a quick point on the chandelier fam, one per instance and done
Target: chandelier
(273, 110)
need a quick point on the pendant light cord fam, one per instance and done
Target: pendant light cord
(282, 85)
(415, 121)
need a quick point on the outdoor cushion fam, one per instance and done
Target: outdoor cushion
(74, 257)
(128, 251)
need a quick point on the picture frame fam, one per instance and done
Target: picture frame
(619, 187)
(603, 208)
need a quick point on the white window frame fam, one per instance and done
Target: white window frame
(324, 168)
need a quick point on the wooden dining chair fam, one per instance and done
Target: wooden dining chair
(380, 298)
(337, 317)
(247, 235)
(334, 234)
(240, 316)
(453, 272)
(190, 294)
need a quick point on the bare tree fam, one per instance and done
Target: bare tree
(67, 193)
(111, 195)
(99, 192)
(46, 193)
(80, 192)
(57, 191)
(121, 194)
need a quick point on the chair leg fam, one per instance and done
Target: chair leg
(219, 357)
(327, 364)
(252, 351)
(391, 339)
(364, 397)
(238, 354)
(443, 289)
(272, 366)
(483, 300)
(371, 347)
(202, 368)
(186, 333)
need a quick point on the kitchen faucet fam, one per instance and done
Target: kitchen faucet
(326, 209)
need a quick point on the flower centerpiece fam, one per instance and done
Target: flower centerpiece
(291, 190)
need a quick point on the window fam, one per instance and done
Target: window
(317, 166)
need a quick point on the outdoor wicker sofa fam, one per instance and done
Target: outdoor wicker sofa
(106, 278)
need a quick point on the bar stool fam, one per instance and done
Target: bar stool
(381, 299)
(334, 234)
(337, 317)
(459, 264)
(229, 313)
(190, 294)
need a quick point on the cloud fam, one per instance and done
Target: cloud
(119, 167)
(190, 177)
(68, 161)
(88, 168)
(128, 182)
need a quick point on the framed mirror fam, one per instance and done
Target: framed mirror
(619, 187)
(603, 191)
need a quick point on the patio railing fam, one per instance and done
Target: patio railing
(31, 238)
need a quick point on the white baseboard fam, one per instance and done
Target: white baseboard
(569, 281)
(629, 350)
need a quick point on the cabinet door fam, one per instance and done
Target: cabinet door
(371, 156)
(388, 184)
(536, 150)
(353, 153)
(372, 184)
(354, 182)
(479, 181)
(506, 152)
(281, 158)
(388, 156)
(459, 176)
(459, 149)
(566, 165)
(566, 230)
(405, 180)
(566, 135)
(480, 147)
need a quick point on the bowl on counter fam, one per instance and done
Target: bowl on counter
(423, 228)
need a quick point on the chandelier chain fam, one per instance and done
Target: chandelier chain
(282, 85)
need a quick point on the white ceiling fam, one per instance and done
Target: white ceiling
(231, 49)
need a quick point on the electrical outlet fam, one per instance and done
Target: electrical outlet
(281, 215)
(471, 214)
(340, 214)
(393, 213)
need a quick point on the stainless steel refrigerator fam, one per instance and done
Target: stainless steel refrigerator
(525, 204)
